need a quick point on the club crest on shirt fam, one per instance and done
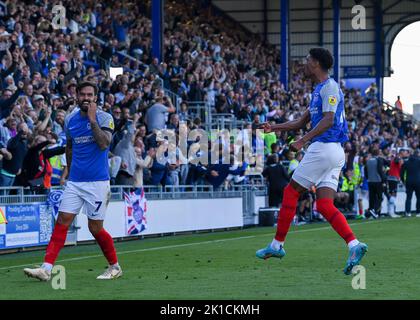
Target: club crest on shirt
(315, 97)
(88, 125)
(332, 100)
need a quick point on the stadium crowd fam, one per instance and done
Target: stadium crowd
(216, 62)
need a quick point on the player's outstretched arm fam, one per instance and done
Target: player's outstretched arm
(292, 125)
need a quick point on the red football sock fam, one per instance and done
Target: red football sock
(287, 212)
(106, 243)
(58, 238)
(337, 220)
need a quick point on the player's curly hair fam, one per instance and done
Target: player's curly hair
(323, 56)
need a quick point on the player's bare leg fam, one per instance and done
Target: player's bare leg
(106, 243)
(287, 211)
(58, 238)
(325, 205)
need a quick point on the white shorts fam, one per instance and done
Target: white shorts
(321, 166)
(93, 197)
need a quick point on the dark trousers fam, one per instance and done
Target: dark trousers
(350, 204)
(375, 196)
(409, 189)
(392, 186)
(124, 179)
(391, 189)
(275, 197)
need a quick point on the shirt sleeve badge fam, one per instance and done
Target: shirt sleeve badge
(332, 100)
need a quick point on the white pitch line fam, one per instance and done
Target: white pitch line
(191, 244)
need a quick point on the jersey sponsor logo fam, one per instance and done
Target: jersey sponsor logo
(313, 110)
(84, 139)
(332, 100)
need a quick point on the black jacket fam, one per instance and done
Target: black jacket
(276, 176)
(32, 164)
(410, 171)
(18, 147)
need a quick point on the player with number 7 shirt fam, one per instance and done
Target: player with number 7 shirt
(89, 133)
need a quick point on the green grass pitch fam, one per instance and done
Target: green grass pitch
(222, 265)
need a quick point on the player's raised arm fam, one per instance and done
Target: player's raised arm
(102, 133)
(290, 125)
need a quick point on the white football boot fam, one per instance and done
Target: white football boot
(38, 273)
(111, 273)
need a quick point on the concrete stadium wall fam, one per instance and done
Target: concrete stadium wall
(163, 217)
(400, 203)
(167, 216)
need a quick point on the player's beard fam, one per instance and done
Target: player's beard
(84, 105)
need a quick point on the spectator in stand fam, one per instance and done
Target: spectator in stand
(183, 114)
(142, 163)
(410, 175)
(159, 168)
(17, 147)
(374, 173)
(173, 122)
(230, 70)
(348, 186)
(393, 179)
(125, 150)
(398, 104)
(37, 170)
(277, 178)
(156, 114)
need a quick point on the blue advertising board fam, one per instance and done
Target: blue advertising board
(28, 225)
(358, 72)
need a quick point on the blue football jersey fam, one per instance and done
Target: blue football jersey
(328, 97)
(89, 162)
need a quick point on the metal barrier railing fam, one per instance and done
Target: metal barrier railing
(201, 110)
(387, 106)
(225, 121)
(211, 120)
(26, 195)
(176, 99)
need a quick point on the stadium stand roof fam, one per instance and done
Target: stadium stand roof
(312, 24)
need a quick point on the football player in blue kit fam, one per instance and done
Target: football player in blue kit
(89, 133)
(323, 161)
